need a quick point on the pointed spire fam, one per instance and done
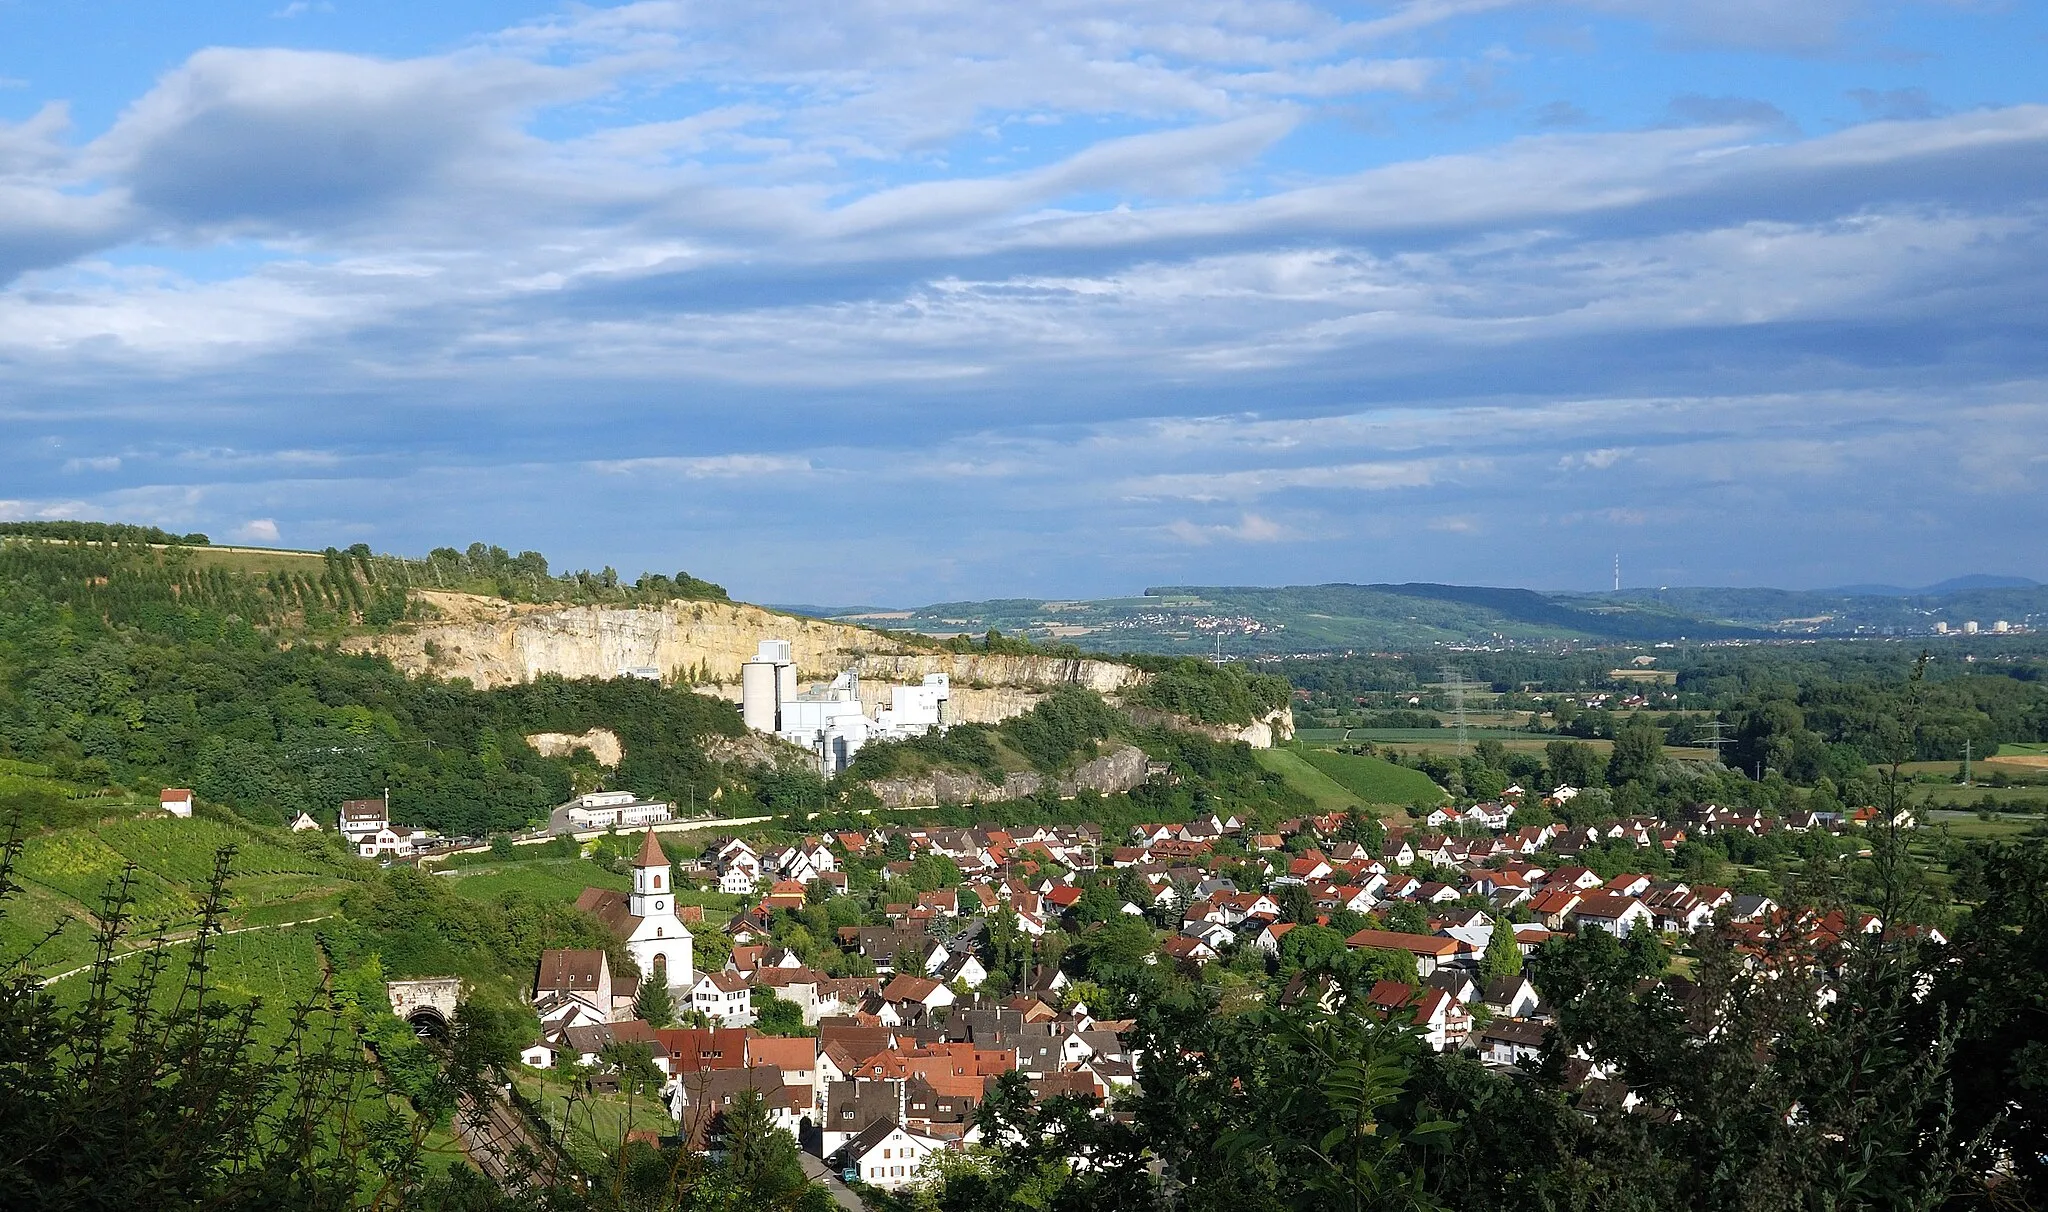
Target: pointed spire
(650, 853)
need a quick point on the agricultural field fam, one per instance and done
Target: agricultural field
(538, 879)
(1328, 794)
(1374, 780)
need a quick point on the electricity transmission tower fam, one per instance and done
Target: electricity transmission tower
(1454, 681)
(1716, 736)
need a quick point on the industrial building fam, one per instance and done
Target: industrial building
(616, 810)
(830, 720)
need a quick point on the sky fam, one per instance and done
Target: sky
(871, 302)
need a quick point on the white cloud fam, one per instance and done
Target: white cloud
(1251, 528)
(93, 463)
(257, 530)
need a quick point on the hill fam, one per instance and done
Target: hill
(1245, 621)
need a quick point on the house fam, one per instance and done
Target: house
(1617, 915)
(178, 801)
(886, 1155)
(1187, 950)
(691, 1049)
(1511, 997)
(725, 997)
(1443, 1020)
(1430, 950)
(925, 993)
(1507, 1041)
(304, 823)
(797, 1056)
(698, 1102)
(359, 818)
(574, 978)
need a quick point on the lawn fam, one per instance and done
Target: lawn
(1969, 826)
(1328, 794)
(1375, 780)
(597, 1122)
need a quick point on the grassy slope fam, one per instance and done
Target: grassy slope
(65, 874)
(1375, 780)
(1328, 794)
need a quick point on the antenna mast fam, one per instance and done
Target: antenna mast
(1617, 572)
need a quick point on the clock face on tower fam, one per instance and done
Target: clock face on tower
(657, 906)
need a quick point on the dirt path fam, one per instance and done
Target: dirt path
(174, 940)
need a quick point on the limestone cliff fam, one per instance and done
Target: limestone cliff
(1276, 727)
(1121, 770)
(703, 645)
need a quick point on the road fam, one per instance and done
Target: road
(818, 1171)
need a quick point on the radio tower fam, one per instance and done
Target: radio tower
(1617, 572)
(1455, 682)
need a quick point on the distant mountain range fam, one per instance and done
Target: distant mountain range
(1253, 620)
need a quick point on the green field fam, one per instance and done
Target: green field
(541, 879)
(597, 1123)
(1375, 780)
(1448, 735)
(1329, 796)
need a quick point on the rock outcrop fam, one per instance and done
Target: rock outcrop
(1277, 727)
(602, 743)
(703, 645)
(1121, 770)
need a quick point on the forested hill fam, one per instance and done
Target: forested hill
(138, 666)
(1258, 620)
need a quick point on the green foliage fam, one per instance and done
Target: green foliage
(1209, 693)
(100, 532)
(1638, 747)
(774, 1016)
(1061, 727)
(123, 665)
(1503, 956)
(655, 1005)
(1375, 780)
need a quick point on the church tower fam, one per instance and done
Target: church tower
(658, 942)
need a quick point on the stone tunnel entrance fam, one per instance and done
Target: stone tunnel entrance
(428, 1004)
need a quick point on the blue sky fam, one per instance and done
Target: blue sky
(908, 302)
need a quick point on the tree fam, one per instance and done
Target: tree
(1405, 917)
(1638, 747)
(655, 1005)
(1503, 954)
(1571, 763)
(774, 1016)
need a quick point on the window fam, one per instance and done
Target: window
(657, 883)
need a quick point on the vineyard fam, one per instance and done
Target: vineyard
(66, 875)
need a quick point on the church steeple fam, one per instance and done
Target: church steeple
(653, 887)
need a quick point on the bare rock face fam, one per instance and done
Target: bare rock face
(602, 743)
(1121, 770)
(703, 645)
(1277, 727)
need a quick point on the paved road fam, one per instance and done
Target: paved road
(820, 1172)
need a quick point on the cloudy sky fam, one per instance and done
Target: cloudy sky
(897, 302)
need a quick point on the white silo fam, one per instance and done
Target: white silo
(757, 695)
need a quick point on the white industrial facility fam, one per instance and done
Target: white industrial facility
(830, 720)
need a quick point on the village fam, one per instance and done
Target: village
(876, 1072)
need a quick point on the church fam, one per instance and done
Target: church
(654, 936)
